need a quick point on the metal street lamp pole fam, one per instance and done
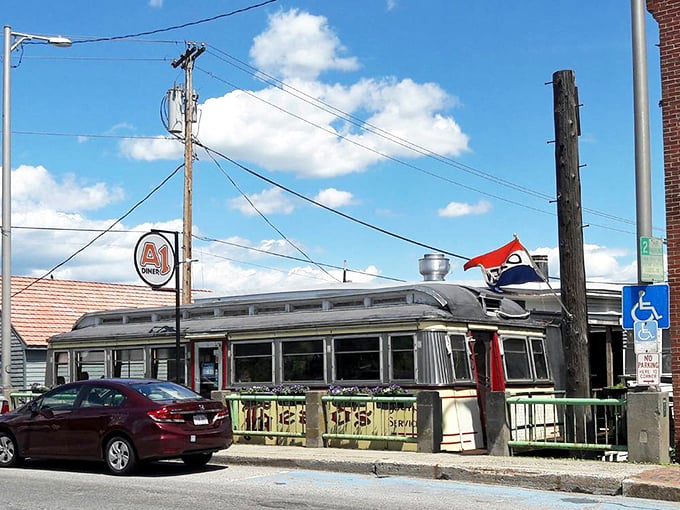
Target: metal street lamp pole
(12, 40)
(643, 186)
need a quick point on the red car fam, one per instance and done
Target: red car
(120, 421)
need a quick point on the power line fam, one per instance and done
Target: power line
(330, 209)
(174, 27)
(366, 126)
(233, 183)
(212, 240)
(80, 250)
(289, 257)
(400, 161)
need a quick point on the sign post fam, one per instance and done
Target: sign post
(156, 260)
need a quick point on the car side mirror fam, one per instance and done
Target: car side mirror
(34, 407)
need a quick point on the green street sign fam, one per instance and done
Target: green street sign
(651, 259)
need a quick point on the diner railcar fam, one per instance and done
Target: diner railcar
(459, 341)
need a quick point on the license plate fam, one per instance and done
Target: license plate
(200, 419)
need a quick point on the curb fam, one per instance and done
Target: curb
(603, 484)
(650, 485)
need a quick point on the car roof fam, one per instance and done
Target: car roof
(117, 381)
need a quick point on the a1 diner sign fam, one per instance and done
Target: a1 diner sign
(154, 259)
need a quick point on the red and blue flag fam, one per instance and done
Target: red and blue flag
(509, 265)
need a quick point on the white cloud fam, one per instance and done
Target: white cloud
(455, 209)
(333, 198)
(160, 147)
(156, 3)
(602, 264)
(270, 201)
(276, 130)
(299, 45)
(33, 188)
(37, 251)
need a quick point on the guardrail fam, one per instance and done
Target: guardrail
(567, 423)
(371, 418)
(19, 398)
(267, 415)
(342, 417)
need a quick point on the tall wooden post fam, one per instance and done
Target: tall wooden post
(186, 62)
(570, 231)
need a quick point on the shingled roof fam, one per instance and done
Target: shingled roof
(41, 309)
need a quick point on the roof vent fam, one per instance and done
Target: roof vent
(541, 262)
(434, 267)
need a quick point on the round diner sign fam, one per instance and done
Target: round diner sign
(154, 259)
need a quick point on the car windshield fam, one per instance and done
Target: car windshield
(165, 391)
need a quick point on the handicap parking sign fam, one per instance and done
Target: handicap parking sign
(643, 303)
(647, 336)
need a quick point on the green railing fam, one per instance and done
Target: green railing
(567, 423)
(358, 418)
(19, 398)
(267, 415)
(371, 418)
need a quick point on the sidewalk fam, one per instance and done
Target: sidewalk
(648, 481)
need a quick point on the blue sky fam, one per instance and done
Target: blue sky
(430, 120)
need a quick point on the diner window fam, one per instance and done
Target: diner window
(459, 358)
(402, 357)
(164, 364)
(357, 359)
(302, 360)
(253, 362)
(61, 370)
(90, 365)
(540, 360)
(128, 363)
(516, 359)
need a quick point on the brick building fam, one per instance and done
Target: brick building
(667, 15)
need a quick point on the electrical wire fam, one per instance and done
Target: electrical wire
(366, 126)
(288, 257)
(323, 206)
(255, 208)
(90, 243)
(174, 27)
(402, 162)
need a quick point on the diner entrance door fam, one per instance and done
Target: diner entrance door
(208, 367)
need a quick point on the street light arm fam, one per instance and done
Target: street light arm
(62, 42)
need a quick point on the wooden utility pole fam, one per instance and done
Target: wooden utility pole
(570, 231)
(186, 62)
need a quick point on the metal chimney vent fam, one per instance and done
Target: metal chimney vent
(434, 267)
(541, 262)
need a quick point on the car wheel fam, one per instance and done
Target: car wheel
(120, 456)
(9, 456)
(197, 459)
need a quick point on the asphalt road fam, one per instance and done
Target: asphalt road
(58, 485)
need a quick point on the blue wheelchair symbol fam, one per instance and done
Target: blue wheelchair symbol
(644, 303)
(645, 331)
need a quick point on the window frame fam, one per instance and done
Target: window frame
(467, 356)
(282, 359)
(391, 352)
(234, 358)
(378, 353)
(527, 358)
